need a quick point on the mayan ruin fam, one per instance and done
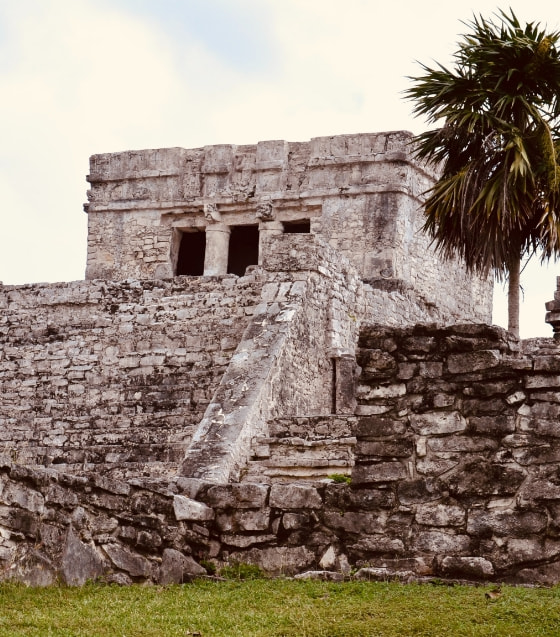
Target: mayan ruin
(267, 362)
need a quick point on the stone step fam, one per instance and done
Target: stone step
(297, 459)
(266, 447)
(292, 472)
(123, 461)
(123, 470)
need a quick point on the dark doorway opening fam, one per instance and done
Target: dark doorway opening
(303, 226)
(243, 249)
(191, 253)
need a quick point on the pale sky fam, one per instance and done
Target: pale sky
(79, 77)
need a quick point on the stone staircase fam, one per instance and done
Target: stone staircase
(303, 448)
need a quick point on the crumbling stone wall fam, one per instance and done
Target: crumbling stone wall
(360, 193)
(458, 429)
(306, 448)
(122, 375)
(114, 374)
(456, 476)
(304, 329)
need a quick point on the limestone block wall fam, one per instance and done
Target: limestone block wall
(456, 476)
(296, 358)
(304, 329)
(128, 375)
(360, 193)
(458, 429)
(306, 448)
(111, 374)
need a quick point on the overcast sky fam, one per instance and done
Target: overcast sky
(79, 77)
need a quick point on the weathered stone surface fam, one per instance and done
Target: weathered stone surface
(20, 521)
(521, 551)
(237, 496)
(463, 444)
(365, 392)
(244, 541)
(356, 522)
(385, 448)
(417, 344)
(376, 364)
(472, 361)
(480, 478)
(440, 543)
(32, 568)
(328, 560)
(383, 575)
(476, 568)
(536, 490)
(418, 490)
(440, 515)
(545, 575)
(135, 565)
(540, 381)
(432, 467)
(492, 425)
(244, 520)
(281, 560)
(341, 497)
(546, 364)
(516, 397)
(324, 576)
(112, 486)
(187, 509)
(121, 579)
(23, 497)
(377, 544)
(380, 472)
(542, 454)
(506, 523)
(545, 410)
(379, 427)
(292, 521)
(437, 422)
(177, 568)
(294, 496)
(80, 562)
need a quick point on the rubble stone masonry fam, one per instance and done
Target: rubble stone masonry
(153, 421)
(114, 374)
(456, 476)
(360, 193)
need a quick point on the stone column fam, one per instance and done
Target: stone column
(267, 229)
(217, 249)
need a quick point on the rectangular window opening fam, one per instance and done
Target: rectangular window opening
(302, 226)
(243, 249)
(192, 250)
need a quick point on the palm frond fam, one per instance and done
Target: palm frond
(497, 147)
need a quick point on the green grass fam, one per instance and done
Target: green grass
(277, 607)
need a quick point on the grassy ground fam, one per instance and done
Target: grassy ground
(277, 607)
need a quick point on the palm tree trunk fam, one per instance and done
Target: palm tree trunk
(514, 284)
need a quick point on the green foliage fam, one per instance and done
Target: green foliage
(266, 607)
(340, 478)
(498, 108)
(241, 571)
(209, 566)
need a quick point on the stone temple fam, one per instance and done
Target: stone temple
(255, 319)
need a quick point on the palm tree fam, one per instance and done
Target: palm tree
(498, 194)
